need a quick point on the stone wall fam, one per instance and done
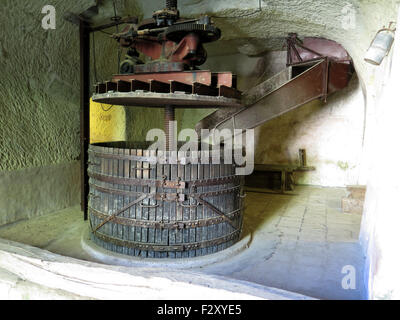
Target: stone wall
(39, 103)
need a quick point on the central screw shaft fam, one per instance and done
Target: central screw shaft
(169, 117)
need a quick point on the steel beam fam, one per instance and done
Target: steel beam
(308, 86)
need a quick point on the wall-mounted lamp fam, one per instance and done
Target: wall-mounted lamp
(381, 45)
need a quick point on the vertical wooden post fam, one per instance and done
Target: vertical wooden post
(302, 158)
(283, 181)
(84, 39)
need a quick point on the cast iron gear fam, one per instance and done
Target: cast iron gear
(206, 32)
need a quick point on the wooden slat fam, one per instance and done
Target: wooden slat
(146, 203)
(174, 235)
(101, 203)
(179, 210)
(187, 233)
(166, 214)
(127, 200)
(132, 210)
(207, 211)
(116, 201)
(152, 202)
(181, 214)
(222, 204)
(159, 210)
(192, 211)
(108, 227)
(139, 152)
(120, 202)
(106, 196)
(214, 202)
(201, 210)
(103, 197)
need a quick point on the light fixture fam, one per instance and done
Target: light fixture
(381, 45)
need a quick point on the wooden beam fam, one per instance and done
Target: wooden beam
(84, 41)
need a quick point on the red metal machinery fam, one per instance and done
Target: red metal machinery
(170, 78)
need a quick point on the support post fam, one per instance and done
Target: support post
(84, 40)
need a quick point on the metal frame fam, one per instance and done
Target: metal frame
(84, 40)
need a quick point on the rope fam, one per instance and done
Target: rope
(106, 110)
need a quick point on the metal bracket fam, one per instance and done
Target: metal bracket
(170, 197)
(111, 217)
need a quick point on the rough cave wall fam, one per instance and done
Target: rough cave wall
(39, 100)
(39, 92)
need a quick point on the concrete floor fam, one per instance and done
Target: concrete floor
(300, 242)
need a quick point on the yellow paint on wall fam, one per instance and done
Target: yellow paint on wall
(107, 123)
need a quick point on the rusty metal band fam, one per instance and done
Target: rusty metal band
(214, 193)
(168, 197)
(165, 184)
(215, 181)
(122, 157)
(117, 192)
(165, 225)
(165, 196)
(152, 159)
(138, 182)
(217, 211)
(167, 248)
(115, 214)
(199, 198)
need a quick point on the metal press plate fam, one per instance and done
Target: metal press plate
(153, 99)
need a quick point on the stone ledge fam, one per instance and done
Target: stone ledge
(113, 258)
(97, 281)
